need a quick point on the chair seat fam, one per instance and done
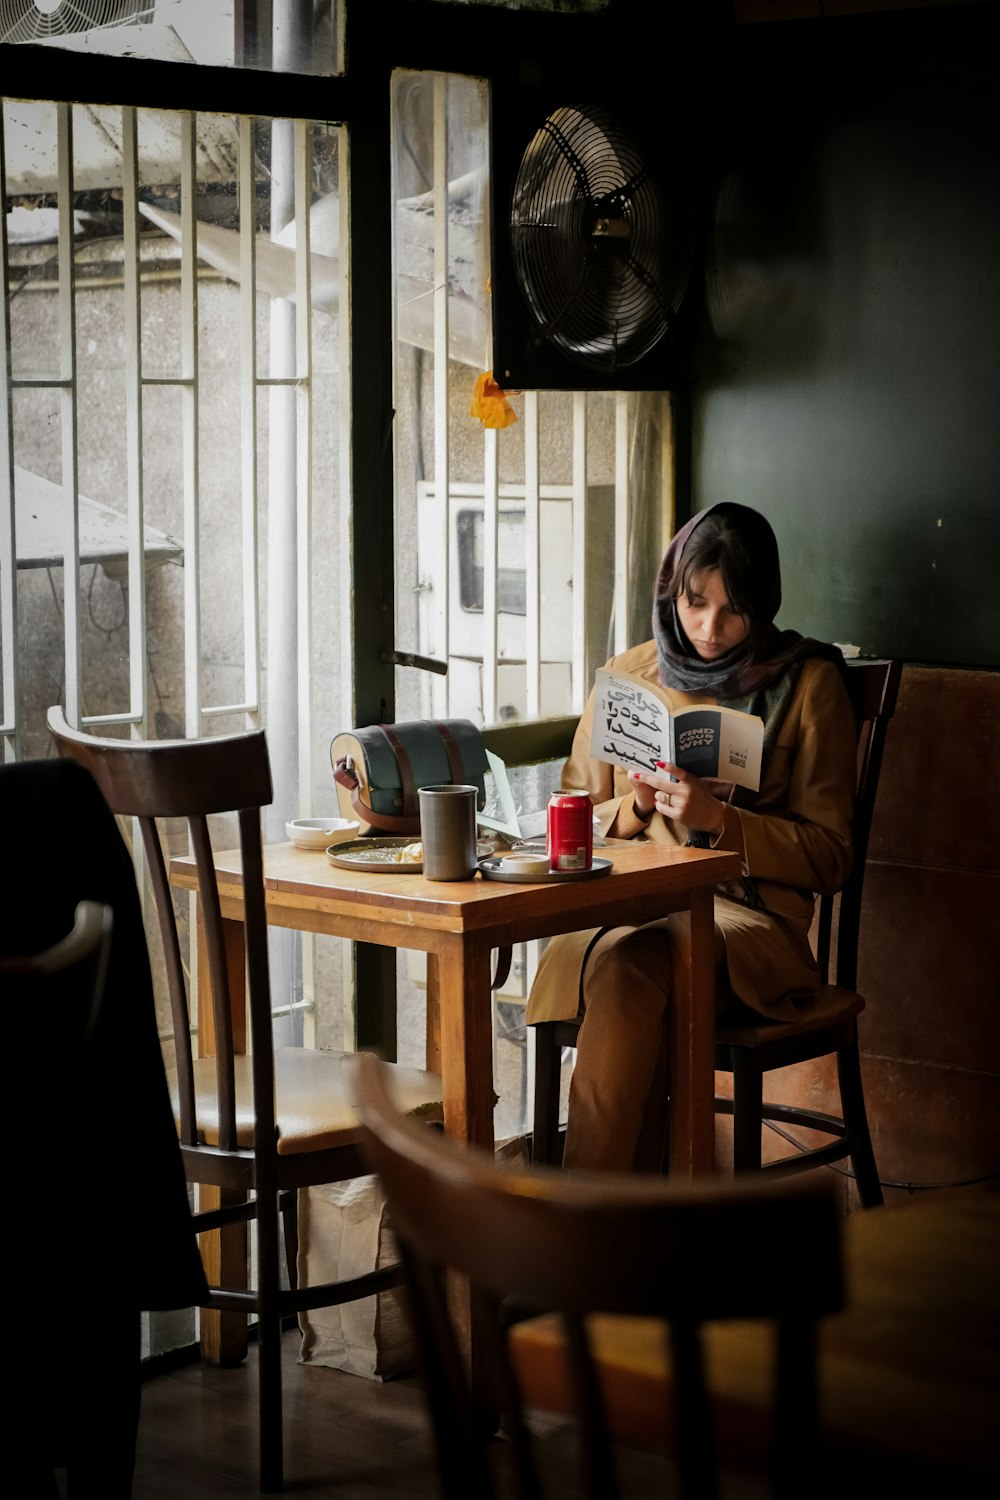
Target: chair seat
(636, 1375)
(825, 1008)
(313, 1099)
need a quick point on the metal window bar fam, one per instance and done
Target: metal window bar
(248, 419)
(68, 416)
(532, 560)
(8, 568)
(190, 450)
(302, 396)
(303, 445)
(578, 667)
(442, 447)
(491, 523)
(133, 425)
(622, 580)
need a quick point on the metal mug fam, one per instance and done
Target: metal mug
(448, 831)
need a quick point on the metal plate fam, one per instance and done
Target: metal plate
(492, 869)
(374, 856)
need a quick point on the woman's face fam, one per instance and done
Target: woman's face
(707, 618)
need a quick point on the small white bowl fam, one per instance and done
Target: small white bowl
(320, 833)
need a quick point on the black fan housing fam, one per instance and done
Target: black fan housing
(594, 257)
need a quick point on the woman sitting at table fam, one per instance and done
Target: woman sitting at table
(715, 599)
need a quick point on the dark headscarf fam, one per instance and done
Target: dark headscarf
(766, 652)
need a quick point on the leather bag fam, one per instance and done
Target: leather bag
(380, 769)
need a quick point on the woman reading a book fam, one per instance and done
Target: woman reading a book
(716, 595)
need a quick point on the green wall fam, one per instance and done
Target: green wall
(848, 370)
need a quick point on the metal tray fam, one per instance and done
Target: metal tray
(492, 869)
(371, 856)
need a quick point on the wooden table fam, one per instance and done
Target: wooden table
(458, 925)
(909, 1371)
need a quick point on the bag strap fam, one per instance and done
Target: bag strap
(411, 807)
(503, 967)
(387, 822)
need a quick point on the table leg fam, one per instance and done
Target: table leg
(465, 1018)
(692, 1032)
(433, 1025)
(224, 1251)
(465, 1025)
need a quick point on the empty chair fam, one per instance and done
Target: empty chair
(255, 1123)
(828, 1020)
(60, 990)
(69, 973)
(586, 1244)
(97, 1150)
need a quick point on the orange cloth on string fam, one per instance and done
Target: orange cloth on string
(489, 403)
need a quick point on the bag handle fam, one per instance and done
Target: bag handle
(345, 774)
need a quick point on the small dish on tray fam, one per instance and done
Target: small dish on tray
(384, 856)
(492, 868)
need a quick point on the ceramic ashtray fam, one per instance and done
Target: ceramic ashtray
(320, 833)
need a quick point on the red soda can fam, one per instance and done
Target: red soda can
(570, 835)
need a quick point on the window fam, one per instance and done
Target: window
(217, 33)
(170, 416)
(513, 573)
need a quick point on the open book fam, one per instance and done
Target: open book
(634, 728)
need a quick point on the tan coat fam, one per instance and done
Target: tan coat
(793, 836)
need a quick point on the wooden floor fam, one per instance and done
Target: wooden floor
(346, 1438)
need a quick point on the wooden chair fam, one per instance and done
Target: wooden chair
(63, 984)
(828, 1025)
(255, 1125)
(69, 973)
(625, 1245)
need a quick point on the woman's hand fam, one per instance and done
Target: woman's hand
(644, 796)
(686, 800)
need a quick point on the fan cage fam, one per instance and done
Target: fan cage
(31, 21)
(602, 256)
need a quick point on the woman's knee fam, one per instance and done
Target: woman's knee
(633, 963)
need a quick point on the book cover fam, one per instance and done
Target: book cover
(634, 728)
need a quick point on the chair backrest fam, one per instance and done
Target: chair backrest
(196, 779)
(873, 687)
(70, 973)
(578, 1244)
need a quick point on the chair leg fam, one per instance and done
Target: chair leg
(545, 1121)
(748, 1111)
(290, 1225)
(852, 1102)
(269, 1399)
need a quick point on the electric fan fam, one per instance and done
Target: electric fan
(602, 252)
(37, 20)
